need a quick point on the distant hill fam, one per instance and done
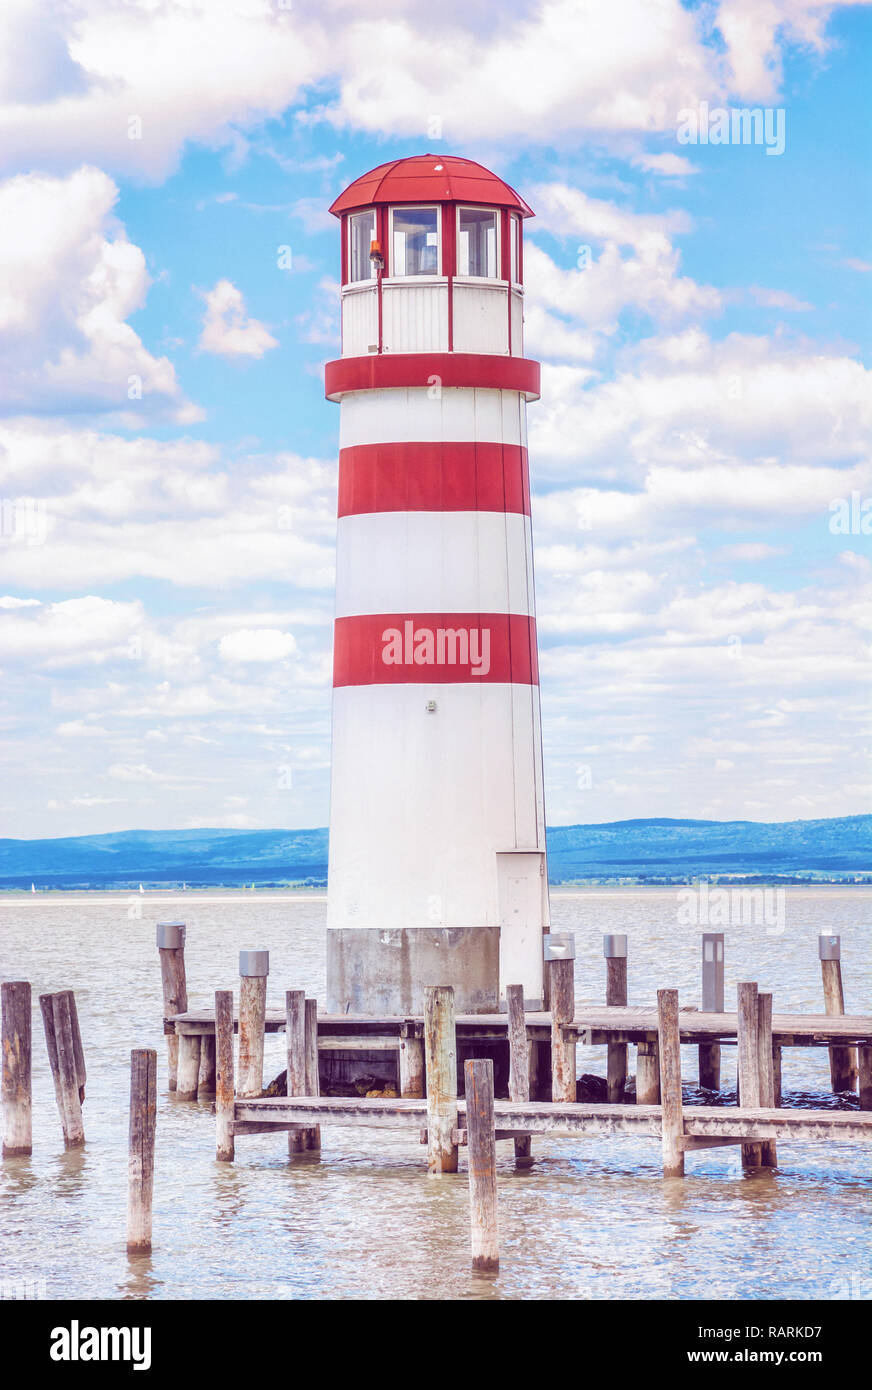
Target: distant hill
(631, 851)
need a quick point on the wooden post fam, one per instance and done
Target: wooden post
(478, 1075)
(615, 952)
(768, 1151)
(672, 1115)
(411, 1063)
(312, 1133)
(440, 1052)
(295, 1038)
(647, 1073)
(206, 1077)
(171, 949)
(519, 1065)
(17, 1049)
(59, 1041)
(776, 1074)
(560, 973)
(864, 1060)
(224, 1097)
(712, 1002)
(140, 1153)
(253, 969)
(188, 1078)
(843, 1060)
(748, 1063)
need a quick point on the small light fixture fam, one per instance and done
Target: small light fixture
(431, 706)
(376, 257)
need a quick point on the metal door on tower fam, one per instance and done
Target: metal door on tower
(523, 891)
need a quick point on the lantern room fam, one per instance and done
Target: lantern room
(432, 259)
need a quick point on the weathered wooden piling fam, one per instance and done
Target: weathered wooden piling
(206, 1076)
(519, 1065)
(560, 982)
(711, 1002)
(647, 1074)
(615, 952)
(672, 1117)
(843, 1060)
(864, 1070)
(312, 1134)
(440, 1052)
(478, 1075)
(60, 1022)
(224, 1093)
(776, 1074)
(188, 1076)
(171, 949)
(17, 1049)
(748, 1050)
(140, 1154)
(295, 1039)
(765, 1063)
(411, 1063)
(253, 970)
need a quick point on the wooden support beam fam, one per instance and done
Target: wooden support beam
(440, 1053)
(61, 1047)
(188, 1075)
(864, 1070)
(411, 1065)
(749, 1063)
(224, 1096)
(17, 1053)
(140, 1152)
(647, 1074)
(843, 1060)
(171, 949)
(295, 1037)
(312, 1135)
(561, 992)
(768, 1152)
(776, 1073)
(672, 1120)
(482, 1161)
(616, 996)
(519, 1065)
(206, 1077)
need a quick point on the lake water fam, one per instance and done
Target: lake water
(592, 1219)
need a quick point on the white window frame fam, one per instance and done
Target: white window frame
(514, 275)
(496, 279)
(370, 279)
(415, 207)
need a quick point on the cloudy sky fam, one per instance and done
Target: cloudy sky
(168, 462)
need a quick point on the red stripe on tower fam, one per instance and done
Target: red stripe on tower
(433, 477)
(435, 649)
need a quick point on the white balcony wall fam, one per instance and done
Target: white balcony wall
(359, 321)
(415, 315)
(481, 317)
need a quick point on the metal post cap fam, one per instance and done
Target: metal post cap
(614, 945)
(559, 945)
(170, 935)
(254, 963)
(830, 947)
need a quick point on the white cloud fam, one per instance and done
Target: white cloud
(228, 331)
(257, 644)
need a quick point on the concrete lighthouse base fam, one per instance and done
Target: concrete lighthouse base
(382, 972)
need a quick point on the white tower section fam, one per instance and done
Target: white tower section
(437, 869)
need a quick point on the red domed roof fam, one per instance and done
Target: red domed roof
(431, 178)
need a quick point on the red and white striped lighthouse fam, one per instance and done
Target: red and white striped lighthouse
(437, 869)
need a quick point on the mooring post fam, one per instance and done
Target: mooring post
(140, 1152)
(295, 1038)
(171, 949)
(312, 1133)
(224, 1096)
(411, 1062)
(61, 1047)
(843, 1060)
(253, 970)
(672, 1114)
(440, 1052)
(615, 952)
(519, 1065)
(748, 1050)
(711, 1002)
(647, 1073)
(560, 968)
(768, 1151)
(478, 1076)
(17, 1050)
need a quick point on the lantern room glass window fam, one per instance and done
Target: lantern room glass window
(361, 233)
(477, 242)
(415, 246)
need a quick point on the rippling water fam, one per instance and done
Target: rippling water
(592, 1219)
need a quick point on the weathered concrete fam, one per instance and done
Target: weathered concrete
(370, 971)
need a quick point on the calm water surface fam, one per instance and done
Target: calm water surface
(593, 1218)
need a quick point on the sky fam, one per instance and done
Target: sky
(700, 456)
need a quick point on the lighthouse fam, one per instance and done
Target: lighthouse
(437, 870)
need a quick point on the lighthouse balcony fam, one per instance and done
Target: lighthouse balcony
(432, 314)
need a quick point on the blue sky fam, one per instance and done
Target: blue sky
(166, 562)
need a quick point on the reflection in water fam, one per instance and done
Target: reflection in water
(591, 1219)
